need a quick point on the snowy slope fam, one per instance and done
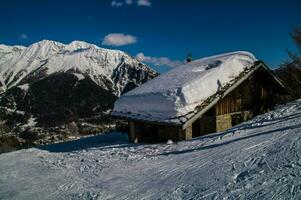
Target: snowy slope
(48, 57)
(7, 53)
(259, 159)
(180, 90)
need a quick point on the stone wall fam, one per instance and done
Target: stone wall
(224, 122)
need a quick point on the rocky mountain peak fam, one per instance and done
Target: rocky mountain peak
(47, 57)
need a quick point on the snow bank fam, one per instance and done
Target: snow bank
(180, 90)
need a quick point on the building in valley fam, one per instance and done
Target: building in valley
(203, 96)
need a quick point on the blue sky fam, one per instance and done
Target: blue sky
(158, 31)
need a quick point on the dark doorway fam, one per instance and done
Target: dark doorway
(196, 131)
(150, 134)
(205, 124)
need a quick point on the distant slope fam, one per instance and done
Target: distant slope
(259, 159)
(49, 90)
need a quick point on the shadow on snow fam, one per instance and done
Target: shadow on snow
(104, 140)
(228, 142)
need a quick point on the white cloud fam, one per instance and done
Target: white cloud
(23, 36)
(116, 3)
(158, 61)
(144, 3)
(119, 3)
(118, 39)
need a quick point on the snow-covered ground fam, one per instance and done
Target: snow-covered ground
(260, 159)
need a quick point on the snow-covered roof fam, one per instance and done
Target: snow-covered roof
(170, 97)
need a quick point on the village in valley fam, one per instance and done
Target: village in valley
(133, 99)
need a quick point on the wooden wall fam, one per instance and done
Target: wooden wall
(250, 95)
(254, 96)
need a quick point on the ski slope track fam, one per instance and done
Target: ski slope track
(259, 159)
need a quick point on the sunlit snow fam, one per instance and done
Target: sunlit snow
(259, 159)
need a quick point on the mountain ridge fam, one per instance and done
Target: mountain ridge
(50, 91)
(18, 62)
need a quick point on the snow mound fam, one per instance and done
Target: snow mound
(180, 90)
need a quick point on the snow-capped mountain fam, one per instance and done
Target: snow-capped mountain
(52, 86)
(110, 69)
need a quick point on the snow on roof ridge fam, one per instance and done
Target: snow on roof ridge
(233, 53)
(199, 62)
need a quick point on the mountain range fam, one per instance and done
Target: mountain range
(50, 88)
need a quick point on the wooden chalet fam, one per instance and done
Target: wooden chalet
(254, 91)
